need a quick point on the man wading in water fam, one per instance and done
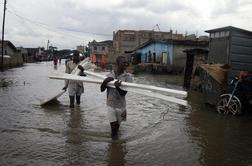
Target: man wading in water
(116, 103)
(75, 88)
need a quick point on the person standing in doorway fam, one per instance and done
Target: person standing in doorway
(75, 88)
(116, 103)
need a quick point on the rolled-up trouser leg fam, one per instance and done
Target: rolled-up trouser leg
(78, 100)
(71, 101)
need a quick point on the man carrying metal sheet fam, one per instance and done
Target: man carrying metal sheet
(116, 103)
(75, 88)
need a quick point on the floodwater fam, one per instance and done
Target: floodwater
(155, 133)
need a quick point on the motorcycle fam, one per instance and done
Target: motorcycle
(239, 98)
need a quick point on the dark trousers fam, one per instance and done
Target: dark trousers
(72, 100)
(114, 129)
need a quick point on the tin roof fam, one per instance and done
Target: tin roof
(175, 42)
(229, 28)
(7, 42)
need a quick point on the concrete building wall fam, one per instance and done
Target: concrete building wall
(24, 54)
(15, 58)
(128, 40)
(179, 58)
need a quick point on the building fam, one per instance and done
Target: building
(233, 46)
(101, 52)
(230, 51)
(12, 57)
(24, 53)
(179, 56)
(36, 54)
(127, 40)
(41, 54)
(155, 52)
(166, 52)
(81, 49)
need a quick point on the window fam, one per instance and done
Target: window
(95, 48)
(103, 48)
(227, 33)
(222, 34)
(211, 35)
(217, 34)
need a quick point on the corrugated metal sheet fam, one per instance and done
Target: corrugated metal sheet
(240, 57)
(234, 49)
(240, 49)
(218, 50)
(241, 40)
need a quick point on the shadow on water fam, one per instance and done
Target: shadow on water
(54, 106)
(51, 103)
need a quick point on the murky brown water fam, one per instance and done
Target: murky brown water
(156, 132)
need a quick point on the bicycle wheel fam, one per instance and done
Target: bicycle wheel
(234, 107)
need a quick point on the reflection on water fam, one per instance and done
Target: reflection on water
(223, 140)
(73, 138)
(155, 133)
(74, 127)
(116, 153)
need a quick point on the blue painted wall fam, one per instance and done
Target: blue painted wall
(158, 48)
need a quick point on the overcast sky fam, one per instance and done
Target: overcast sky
(67, 23)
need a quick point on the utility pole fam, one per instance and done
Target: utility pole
(2, 64)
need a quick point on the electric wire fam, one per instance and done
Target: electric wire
(59, 28)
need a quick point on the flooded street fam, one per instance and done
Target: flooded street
(155, 133)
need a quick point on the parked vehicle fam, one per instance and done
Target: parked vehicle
(239, 98)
